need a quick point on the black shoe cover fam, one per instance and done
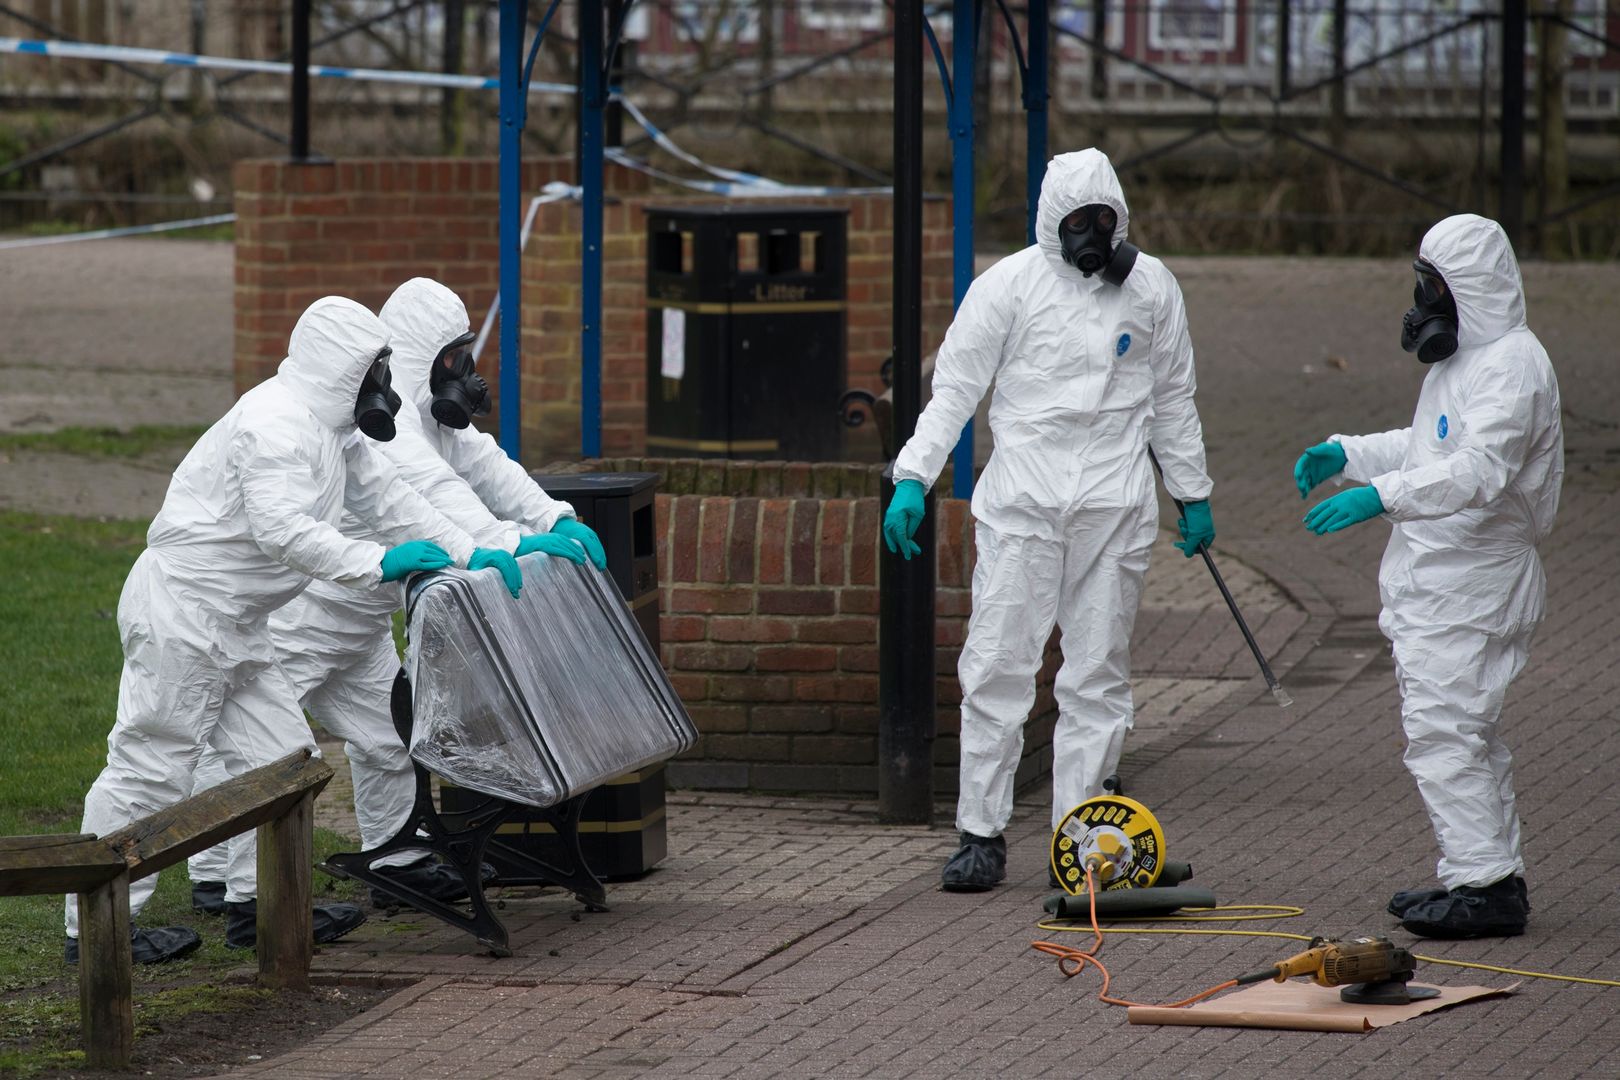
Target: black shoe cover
(208, 897)
(149, 946)
(978, 865)
(1406, 899)
(435, 880)
(1466, 912)
(1112, 785)
(331, 922)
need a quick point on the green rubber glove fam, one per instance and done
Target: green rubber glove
(1196, 526)
(487, 558)
(586, 537)
(412, 556)
(1344, 510)
(905, 514)
(551, 544)
(1321, 462)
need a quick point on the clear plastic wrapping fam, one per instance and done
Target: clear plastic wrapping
(540, 698)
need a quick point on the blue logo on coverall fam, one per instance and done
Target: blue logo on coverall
(1443, 427)
(1122, 346)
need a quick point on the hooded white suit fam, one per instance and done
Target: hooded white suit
(1472, 487)
(1087, 375)
(336, 644)
(249, 519)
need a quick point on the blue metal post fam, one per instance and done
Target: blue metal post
(514, 115)
(593, 94)
(964, 47)
(1035, 106)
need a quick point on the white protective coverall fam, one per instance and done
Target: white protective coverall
(249, 519)
(336, 644)
(1087, 376)
(1472, 487)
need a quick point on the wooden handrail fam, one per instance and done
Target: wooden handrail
(178, 832)
(31, 865)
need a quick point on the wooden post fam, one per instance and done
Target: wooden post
(1510, 214)
(1338, 92)
(286, 931)
(1553, 190)
(453, 102)
(106, 976)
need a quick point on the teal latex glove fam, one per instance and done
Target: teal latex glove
(1196, 526)
(486, 558)
(551, 544)
(586, 538)
(1321, 462)
(411, 556)
(1344, 510)
(905, 514)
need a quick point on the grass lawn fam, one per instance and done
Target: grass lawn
(106, 442)
(61, 657)
(57, 227)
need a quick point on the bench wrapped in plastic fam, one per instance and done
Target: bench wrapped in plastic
(536, 699)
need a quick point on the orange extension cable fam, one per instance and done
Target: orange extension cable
(1073, 961)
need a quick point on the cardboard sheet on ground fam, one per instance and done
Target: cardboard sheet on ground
(1304, 1006)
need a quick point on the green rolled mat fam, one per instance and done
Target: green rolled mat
(1131, 903)
(1174, 873)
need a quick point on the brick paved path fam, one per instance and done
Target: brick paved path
(799, 939)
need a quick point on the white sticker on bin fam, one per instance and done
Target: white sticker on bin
(674, 364)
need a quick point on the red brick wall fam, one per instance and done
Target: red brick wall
(769, 621)
(359, 228)
(552, 299)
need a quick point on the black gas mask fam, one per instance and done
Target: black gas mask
(1087, 237)
(459, 392)
(376, 405)
(1430, 325)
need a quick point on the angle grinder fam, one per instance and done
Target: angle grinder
(1371, 970)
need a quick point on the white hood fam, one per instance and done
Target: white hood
(1474, 256)
(1074, 180)
(423, 316)
(330, 350)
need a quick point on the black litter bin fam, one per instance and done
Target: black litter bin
(621, 830)
(619, 506)
(746, 332)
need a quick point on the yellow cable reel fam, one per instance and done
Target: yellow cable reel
(1120, 838)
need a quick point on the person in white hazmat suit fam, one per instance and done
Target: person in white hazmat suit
(336, 644)
(1471, 488)
(1092, 366)
(248, 520)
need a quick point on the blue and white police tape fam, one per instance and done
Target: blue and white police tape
(738, 190)
(83, 50)
(731, 181)
(130, 230)
(669, 146)
(555, 191)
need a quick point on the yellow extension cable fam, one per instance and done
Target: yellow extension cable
(1279, 911)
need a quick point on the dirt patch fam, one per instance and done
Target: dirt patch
(196, 1029)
